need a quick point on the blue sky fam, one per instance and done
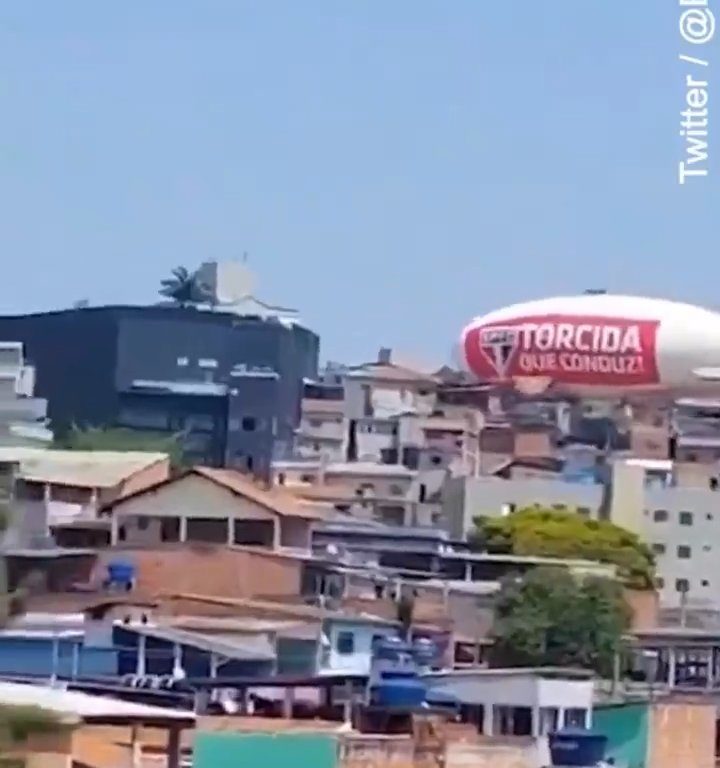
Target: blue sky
(392, 168)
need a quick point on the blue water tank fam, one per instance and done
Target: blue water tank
(398, 693)
(577, 747)
(121, 572)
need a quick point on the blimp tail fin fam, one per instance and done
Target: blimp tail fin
(707, 374)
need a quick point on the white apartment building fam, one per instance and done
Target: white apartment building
(23, 417)
(681, 524)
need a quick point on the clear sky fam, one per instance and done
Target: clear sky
(392, 167)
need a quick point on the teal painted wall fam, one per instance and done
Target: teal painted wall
(264, 750)
(627, 729)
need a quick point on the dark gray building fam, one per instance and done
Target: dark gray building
(230, 384)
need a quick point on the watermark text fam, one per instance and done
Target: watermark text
(697, 28)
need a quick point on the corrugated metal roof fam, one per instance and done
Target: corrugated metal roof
(84, 469)
(83, 705)
(250, 648)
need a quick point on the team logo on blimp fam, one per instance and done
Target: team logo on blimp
(498, 345)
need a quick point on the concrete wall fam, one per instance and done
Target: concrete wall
(358, 661)
(702, 536)
(513, 689)
(467, 497)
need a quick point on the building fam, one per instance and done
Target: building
(229, 384)
(383, 412)
(91, 716)
(60, 492)
(23, 417)
(214, 506)
(519, 702)
(387, 493)
(681, 523)
(466, 497)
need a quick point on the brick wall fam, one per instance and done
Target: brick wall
(211, 570)
(682, 735)
(645, 606)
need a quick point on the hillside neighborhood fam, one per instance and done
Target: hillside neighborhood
(209, 535)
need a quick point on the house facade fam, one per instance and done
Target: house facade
(211, 506)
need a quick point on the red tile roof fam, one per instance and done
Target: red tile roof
(275, 500)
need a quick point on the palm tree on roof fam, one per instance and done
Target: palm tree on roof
(184, 288)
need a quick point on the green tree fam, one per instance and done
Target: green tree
(550, 618)
(117, 439)
(18, 723)
(564, 534)
(184, 288)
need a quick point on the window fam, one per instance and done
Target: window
(706, 547)
(660, 515)
(691, 457)
(345, 643)
(395, 490)
(709, 516)
(315, 423)
(658, 549)
(307, 478)
(249, 424)
(143, 522)
(682, 585)
(182, 362)
(281, 479)
(207, 362)
(659, 582)
(705, 583)
(686, 518)
(435, 460)
(683, 552)
(575, 718)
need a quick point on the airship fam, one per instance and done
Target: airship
(596, 346)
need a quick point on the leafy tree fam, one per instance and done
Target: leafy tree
(564, 534)
(118, 439)
(550, 618)
(184, 288)
(18, 723)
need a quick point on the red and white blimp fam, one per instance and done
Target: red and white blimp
(597, 345)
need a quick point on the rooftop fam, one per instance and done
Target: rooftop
(368, 468)
(90, 708)
(276, 500)
(85, 469)
(551, 673)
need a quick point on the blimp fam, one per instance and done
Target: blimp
(597, 346)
